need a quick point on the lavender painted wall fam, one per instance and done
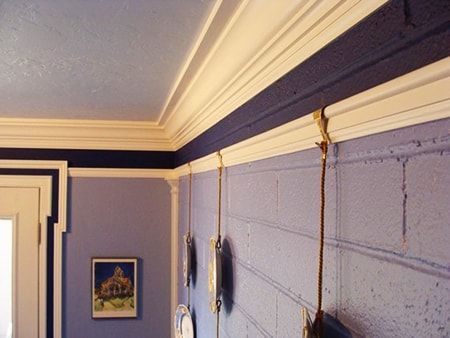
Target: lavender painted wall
(387, 262)
(117, 217)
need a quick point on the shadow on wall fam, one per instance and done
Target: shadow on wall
(193, 264)
(193, 316)
(229, 275)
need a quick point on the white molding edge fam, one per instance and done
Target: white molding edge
(121, 173)
(227, 14)
(272, 41)
(60, 228)
(44, 184)
(417, 97)
(174, 192)
(195, 47)
(82, 134)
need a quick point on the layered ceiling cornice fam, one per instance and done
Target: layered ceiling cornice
(243, 48)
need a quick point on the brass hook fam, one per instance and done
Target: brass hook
(322, 123)
(220, 159)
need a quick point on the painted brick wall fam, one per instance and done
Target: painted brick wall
(387, 257)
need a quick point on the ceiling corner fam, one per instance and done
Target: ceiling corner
(248, 46)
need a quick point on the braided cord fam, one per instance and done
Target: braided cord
(219, 199)
(217, 324)
(190, 201)
(324, 147)
(189, 240)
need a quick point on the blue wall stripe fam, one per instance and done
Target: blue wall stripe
(95, 158)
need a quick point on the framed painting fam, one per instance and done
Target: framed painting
(114, 287)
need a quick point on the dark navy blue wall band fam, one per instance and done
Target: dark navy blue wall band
(95, 158)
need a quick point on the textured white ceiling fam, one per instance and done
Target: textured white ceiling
(93, 59)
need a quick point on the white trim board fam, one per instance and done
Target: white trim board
(60, 228)
(418, 97)
(82, 134)
(44, 184)
(122, 173)
(174, 211)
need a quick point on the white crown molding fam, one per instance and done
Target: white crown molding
(242, 48)
(121, 173)
(271, 41)
(223, 21)
(418, 97)
(82, 134)
(193, 53)
(60, 228)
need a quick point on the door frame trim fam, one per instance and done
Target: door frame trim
(59, 228)
(44, 184)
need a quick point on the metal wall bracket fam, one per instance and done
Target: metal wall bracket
(322, 122)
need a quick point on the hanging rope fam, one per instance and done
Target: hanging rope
(324, 147)
(190, 200)
(321, 121)
(219, 200)
(188, 237)
(217, 324)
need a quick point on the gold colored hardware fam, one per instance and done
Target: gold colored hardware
(219, 156)
(307, 325)
(322, 123)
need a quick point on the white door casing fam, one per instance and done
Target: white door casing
(26, 200)
(59, 226)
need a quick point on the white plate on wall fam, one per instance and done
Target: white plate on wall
(184, 327)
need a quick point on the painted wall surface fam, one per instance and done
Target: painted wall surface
(112, 218)
(387, 258)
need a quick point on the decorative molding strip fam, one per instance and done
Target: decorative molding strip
(214, 16)
(228, 13)
(121, 173)
(418, 97)
(174, 192)
(266, 54)
(82, 134)
(60, 228)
